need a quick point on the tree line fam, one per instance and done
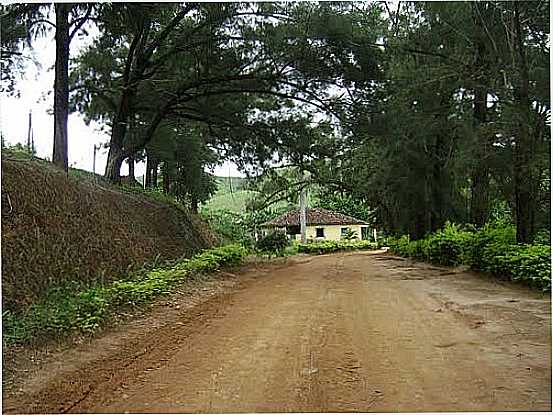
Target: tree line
(425, 112)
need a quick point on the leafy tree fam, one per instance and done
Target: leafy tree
(273, 243)
(20, 23)
(190, 180)
(17, 31)
(345, 204)
(439, 136)
(251, 57)
(409, 118)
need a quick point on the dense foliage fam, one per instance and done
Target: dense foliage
(273, 243)
(239, 227)
(328, 247)
(492, 248)
(345, 204)
(75, 308)
(406, 118)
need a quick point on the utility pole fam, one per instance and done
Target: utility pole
(29, 131)
(94, 160)
(303, 210)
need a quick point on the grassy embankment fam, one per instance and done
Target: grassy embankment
(66, 238)
(76, 307)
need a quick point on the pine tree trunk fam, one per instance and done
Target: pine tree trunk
(438, 185)
(29, 133)
(154, 173)
(523, 180)
(118, 133)
(148, 172)
(61, 86)
(165, 178)
(130, 160)
(113, 164)
(419, 219)
(303, 213)
(480, 177)
(194, 205)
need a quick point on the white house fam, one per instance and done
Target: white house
(322, 224)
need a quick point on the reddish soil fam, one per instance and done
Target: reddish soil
(354, 332)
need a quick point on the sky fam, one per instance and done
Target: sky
(36, 95)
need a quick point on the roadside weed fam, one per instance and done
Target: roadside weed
(77, 308)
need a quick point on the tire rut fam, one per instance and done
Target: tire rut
(336, 333)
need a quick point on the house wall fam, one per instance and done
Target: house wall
(331, 232)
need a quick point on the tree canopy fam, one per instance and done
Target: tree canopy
(414, 114)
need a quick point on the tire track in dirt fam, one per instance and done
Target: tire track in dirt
(355, 332)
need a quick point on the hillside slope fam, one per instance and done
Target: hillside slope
(57, 229)
(230, 195)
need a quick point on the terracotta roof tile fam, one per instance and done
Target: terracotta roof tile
(315, 216)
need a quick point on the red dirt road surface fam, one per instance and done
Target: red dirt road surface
(350, 332)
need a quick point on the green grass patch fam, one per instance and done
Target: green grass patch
(77, 308)
(235, 202)
(327, 247)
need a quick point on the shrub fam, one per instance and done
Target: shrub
(447, 246)
(273, 243)
(530, 264)
(326, 247)
(399, 245)
(543, 237)
(492, 249)
(350, 235)
(490, 240)
(230, 226)
(75, 307)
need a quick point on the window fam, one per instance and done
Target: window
(320, 232)
(293, 230)
(344, 232)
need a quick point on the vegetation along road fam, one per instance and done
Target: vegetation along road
(362, 331)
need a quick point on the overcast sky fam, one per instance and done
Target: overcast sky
(36, 95)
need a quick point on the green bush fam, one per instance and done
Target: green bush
(445, 247)
(231, 227)
(491, 249)
(327, 247)
(490, 240)
(77, 308)
(399, 245)
(351, 235)
(530, 264)
(448, 245)
(274, 243)
(543, 237)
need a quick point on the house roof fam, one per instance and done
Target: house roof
(315, 216)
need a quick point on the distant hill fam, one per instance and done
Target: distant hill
(230, 195)
(230, 184)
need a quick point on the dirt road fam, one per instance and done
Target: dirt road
(337, 333)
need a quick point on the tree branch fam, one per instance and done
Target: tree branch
(80, 21)
(34, 22)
